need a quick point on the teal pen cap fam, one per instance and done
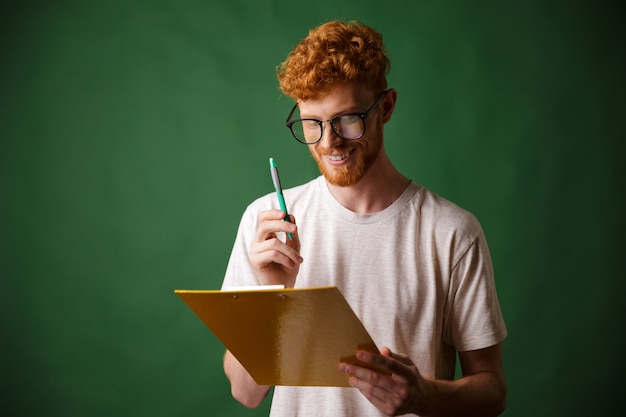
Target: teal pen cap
(279, 191)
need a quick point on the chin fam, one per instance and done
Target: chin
(350, 175)
(342, 180)
(343, 177)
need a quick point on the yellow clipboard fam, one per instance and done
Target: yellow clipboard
(288, 336)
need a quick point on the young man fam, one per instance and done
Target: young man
(414, 267)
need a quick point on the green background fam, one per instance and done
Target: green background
(134, 133)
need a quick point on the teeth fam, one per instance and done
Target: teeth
(339, 157)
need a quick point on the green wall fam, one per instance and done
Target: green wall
(133, 134)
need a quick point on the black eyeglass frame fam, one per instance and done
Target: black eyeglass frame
(363, 116)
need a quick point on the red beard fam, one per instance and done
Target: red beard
(351, 174)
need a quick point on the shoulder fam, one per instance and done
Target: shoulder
(444, 212)
(449, 227)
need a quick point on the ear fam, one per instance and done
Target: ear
(388, 104)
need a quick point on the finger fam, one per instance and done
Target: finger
(275, 214)
(274, 251)
(272, 214)
(378, 388)
(294, 242)
(388, 392)
(388, 360)
(385, 351)
(267, 258)
(270, 223)
(266, 219)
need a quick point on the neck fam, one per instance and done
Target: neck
(377, 190)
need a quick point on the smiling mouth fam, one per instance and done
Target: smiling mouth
(341, 157)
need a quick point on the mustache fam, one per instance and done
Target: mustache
(338, 150)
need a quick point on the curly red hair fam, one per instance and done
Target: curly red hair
(333, 53)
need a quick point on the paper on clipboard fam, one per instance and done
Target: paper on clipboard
(284, 336)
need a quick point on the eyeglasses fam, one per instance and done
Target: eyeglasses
(348, 126)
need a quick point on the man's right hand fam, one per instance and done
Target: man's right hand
(276, 262)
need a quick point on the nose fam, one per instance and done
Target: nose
(329, 137)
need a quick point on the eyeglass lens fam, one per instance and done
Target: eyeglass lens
(347, 127)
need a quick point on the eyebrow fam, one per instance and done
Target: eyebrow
(354, 111)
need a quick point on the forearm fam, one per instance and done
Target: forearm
(242, 386)
(482, 394)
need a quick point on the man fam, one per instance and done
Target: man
(414, 267)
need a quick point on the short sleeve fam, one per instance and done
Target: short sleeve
(474, 318)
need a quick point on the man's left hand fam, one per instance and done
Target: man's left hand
(394, 394)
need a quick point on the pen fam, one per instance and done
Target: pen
(279, 191)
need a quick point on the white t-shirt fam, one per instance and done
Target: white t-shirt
(418, 275)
